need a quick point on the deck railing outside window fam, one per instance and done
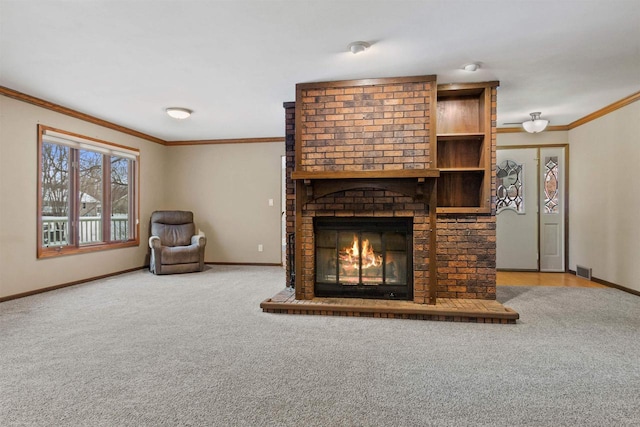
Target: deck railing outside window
(55, 230)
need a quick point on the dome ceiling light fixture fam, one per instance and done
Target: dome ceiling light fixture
(359, 46)
(474, 66)
(536, 124)
(179, 113)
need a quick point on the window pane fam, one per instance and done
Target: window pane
(551, 185)
(90, 196)
(120, 196)
(510, 188)
(55, 195)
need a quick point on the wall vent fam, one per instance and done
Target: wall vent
(583, 272)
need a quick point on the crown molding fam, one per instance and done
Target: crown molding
(14, 94)
(519, 129)
(224, 141)
(586, 119)
(606, 110)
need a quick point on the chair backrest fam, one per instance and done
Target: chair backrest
(175, 228)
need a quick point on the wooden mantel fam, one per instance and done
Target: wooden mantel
(377, 174)
(410, 182)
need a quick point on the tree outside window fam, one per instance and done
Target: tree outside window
(87, 194)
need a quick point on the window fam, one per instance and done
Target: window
(551, 185)
(86, 194)
(510, 188)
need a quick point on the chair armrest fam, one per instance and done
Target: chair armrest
(154, 242)
(198, 240)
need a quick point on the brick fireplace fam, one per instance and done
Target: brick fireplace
(366, 149)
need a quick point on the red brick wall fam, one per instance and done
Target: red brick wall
(369, 203)
(369, 127)
(465, 243)
(466, 254)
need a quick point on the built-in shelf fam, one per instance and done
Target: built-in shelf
(453, 170)
(464, 136)
(468, 135)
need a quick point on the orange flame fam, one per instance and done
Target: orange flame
(351, 255)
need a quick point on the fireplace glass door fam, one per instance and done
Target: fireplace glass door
(363, 257)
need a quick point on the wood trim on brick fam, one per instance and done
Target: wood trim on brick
(382, 174)
(366, 82)
(461, 87)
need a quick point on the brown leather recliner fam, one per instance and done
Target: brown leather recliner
(175, 246)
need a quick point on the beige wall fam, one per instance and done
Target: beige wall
(20, 270)
(524, 138)
(604, 155)
(228, 187)
(604, 202)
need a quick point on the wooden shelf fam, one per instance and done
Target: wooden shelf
(464, 137)
(462, 210)
(461, 170)
(380, 174)
(461, 189)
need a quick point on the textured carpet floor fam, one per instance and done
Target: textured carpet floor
(196, 349)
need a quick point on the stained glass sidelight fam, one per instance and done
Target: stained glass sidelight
(551, 185)
(510, 186)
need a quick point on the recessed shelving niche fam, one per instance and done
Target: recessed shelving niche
(464, 136)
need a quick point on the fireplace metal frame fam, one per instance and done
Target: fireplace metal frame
(360, 225)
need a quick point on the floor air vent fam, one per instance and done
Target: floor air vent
(583, 272)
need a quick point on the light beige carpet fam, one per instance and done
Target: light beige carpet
(196, 349)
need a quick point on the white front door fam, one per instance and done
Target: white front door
(552, 209)
(517, 209)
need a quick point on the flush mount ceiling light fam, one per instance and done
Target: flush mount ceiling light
(179, 113)
(357, 47)
(471, 67)
(536, 124)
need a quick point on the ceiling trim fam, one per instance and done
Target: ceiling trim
(519, 129)
(606, 110)
(14, 94)
(586, 119)
(225, 141)
(10, 93)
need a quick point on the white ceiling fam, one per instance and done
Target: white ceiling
(235, 62)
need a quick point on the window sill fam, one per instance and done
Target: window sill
(55, 251)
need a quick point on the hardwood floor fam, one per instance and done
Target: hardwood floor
(520, 278)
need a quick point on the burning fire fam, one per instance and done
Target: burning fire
(350, 256)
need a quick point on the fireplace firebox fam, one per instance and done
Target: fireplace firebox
(363, 257)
